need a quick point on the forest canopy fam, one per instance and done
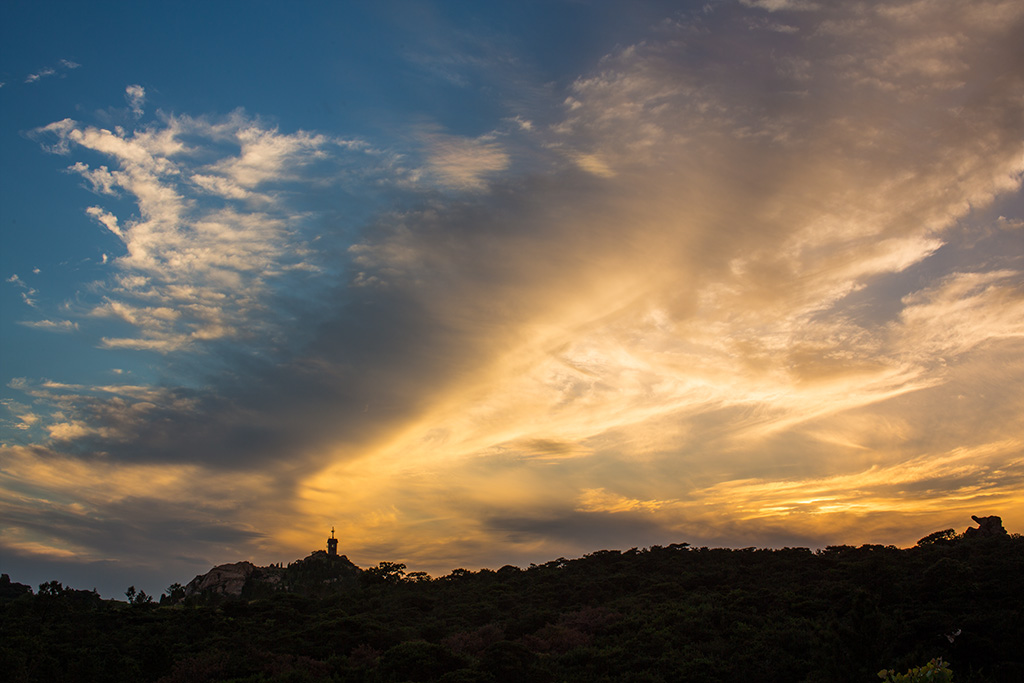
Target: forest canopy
(663, 613)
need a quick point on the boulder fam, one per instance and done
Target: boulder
(226, 579)
(987, 526)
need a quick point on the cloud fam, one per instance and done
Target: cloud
(136, 97)
(724, 293)
(45, 72)
(781, 5)
(27, 293)
(107, 220)
(42, 73)
(963, 311)
(52, 325)
(23, 415)
(747, 285)
(600, 500)
(214, 238)
(463, 163)
(92, 508)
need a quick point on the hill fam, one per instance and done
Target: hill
(672, 613)
(319, 574)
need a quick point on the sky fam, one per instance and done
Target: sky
(481, 284)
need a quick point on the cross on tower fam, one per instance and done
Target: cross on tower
(332, 545)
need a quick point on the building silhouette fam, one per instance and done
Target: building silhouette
(332, 545)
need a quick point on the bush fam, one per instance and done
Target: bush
(935, 671)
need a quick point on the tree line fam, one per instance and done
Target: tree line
(950, 605)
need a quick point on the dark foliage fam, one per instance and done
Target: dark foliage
(660, 614)
(8, 589)
(318, 575)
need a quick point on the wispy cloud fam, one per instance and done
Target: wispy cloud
(81, 493)
(27, 293)
(42, 73)
(136, 97)
(52, 325)
(463, 163)
(45, 72)
(782, 5)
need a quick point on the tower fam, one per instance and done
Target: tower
(332, 545)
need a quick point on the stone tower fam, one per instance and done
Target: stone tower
(332, 545)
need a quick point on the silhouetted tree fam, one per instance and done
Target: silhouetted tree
(174, 594)
(944, 537)
(137, 597)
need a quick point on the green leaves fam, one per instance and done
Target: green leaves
(935, 671)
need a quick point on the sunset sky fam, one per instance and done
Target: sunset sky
(488, 283)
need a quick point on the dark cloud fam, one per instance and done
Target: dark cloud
(580, 532)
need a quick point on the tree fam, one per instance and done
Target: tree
(137, 597)
(174, 594)
(51, 588)
(385, 572)
(944, 537)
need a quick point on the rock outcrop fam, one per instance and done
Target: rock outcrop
(987, 526)
(318, 574)
(225, 579)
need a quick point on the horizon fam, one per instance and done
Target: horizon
(156, 595)
(491, 285)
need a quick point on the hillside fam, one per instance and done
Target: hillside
(318, 575)
(672, 613)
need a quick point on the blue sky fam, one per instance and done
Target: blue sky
(381, 73)
(491, 283)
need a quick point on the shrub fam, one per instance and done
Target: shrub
(935, 671)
